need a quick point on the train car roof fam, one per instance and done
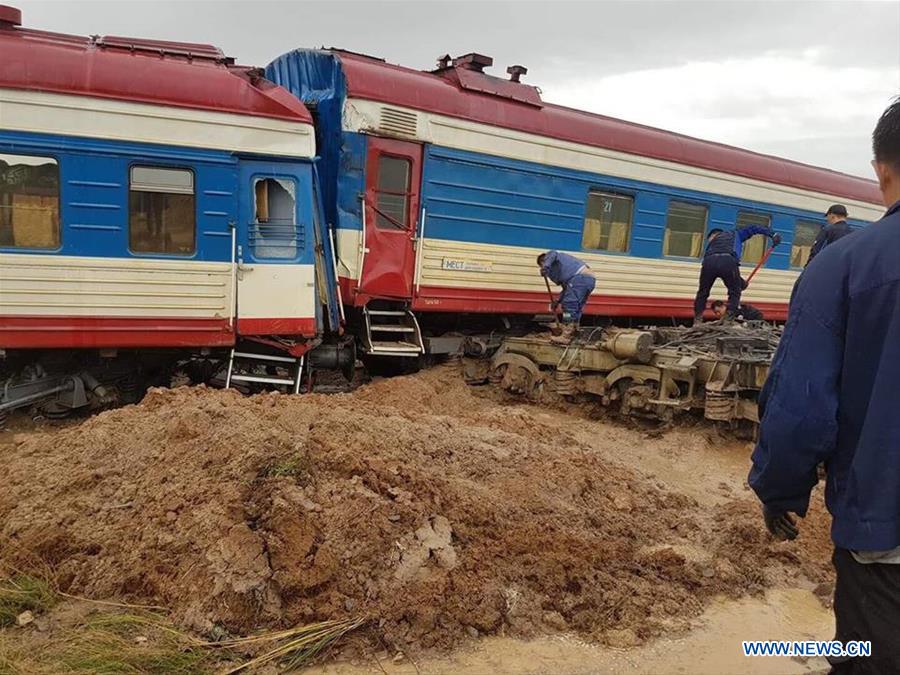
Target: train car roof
(145, 71)
(462, 92)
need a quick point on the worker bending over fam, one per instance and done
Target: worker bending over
(831, 396)
(837, 227)
(746, 311)
(577, 284)
(722, 260)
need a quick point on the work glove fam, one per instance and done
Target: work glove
(744, 283)
(776, 239)
(780, 523)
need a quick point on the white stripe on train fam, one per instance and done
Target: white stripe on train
(110, 119)
(513, 268)
(54, 285)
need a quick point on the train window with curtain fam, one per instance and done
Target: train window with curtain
(685, 227)
(161, 211)
(392, 193)
(755, 246)
(274, 231)
(607, 222)
(805, 232)
(29, 201)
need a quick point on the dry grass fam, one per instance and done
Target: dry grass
(295, 647)
(118, 638)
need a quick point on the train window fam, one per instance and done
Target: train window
(161, 213)
(804, 235)
(685, 225)
(274, 232)
(392, 193)
(755, 246)
(29, 201)
(607, 222)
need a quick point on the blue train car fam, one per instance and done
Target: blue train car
(443, 186)
(153, 197)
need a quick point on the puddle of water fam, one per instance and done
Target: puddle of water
(713, 647)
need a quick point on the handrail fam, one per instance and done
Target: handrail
(420, 245)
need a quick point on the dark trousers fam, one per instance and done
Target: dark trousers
(722, 266)
(575, 295)
(867, 607)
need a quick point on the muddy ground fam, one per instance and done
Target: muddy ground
(440, 512)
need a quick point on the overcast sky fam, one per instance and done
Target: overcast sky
(804, 80)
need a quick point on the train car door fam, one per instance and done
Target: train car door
(276, 266)
(393, 176)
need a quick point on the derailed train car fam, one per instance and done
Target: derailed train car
(157, 208)
(442, 186)
(168, 215)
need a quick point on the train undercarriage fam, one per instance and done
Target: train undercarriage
(716, 369)
(653, 372)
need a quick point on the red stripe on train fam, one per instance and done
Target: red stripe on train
(305, 326)
(43, 332)
(492, 301)
(437, 299)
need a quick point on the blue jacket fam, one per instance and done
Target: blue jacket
(560, 267)
(828, 235)
(732, 241)
(833, 391)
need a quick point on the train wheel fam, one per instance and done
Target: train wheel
(517, 374)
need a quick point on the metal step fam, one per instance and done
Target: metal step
(393, 329)
(237, 376)
(395, 348)
(264, 357)
(387, 323)
(266, 380)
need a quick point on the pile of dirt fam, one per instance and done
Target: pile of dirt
(437, 513)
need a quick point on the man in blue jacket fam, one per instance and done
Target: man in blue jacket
(577, 285)
(832, 396)
(836, 227)
(722, 260)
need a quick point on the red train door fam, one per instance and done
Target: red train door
(393, 175)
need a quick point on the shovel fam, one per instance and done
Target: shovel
(557, 328)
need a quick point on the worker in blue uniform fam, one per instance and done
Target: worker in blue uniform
(577, 285)
(831, 397)
(722, 260)
(836, 227)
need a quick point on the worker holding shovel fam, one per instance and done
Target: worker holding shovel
(577, 285)
(722, 260)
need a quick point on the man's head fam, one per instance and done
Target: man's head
(836, 213)
(886, 148)
(541, 258)
(713, 233)
(719, 308)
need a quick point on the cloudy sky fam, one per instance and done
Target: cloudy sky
(804, 80)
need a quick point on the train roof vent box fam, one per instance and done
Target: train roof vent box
(467, 72)
(189, 50)
(395, 122)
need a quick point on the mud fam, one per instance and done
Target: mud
(437, 511)
(712, 647)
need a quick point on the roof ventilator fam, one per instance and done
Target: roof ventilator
(10, 17)
(396, 122)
